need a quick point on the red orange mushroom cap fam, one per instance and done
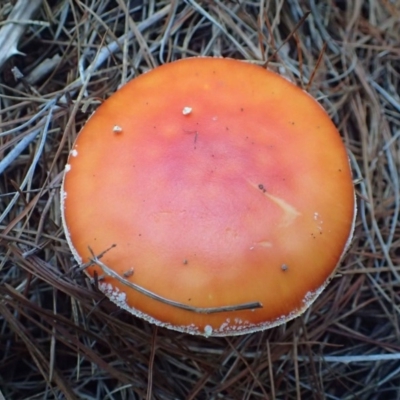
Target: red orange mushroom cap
(212, 197)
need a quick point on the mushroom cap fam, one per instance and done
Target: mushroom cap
(219, 184)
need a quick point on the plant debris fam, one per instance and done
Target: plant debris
(59, 336)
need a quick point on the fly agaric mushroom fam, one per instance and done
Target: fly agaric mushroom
(211, 196)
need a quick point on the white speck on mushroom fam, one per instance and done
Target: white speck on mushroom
(317, 218)
(263, 243)
(117, 129)
(121, 300)
(128, 273)
(186, 110)
(207, 330)
(224, 325)
(106, 287)
(114, 294)
(309, 297)
(74, 153)
(67, 167)
(214, 118)
(121, 297)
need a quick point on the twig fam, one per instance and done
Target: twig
(43, 69)
(297, 26)
(12, 31)
(18, 149)
(200, 310)
(151, 364)
(321, 54)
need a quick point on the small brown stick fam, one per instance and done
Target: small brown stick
(90, 263)
(151, 364)
(299, 56)
(321, 54)
(303, 18)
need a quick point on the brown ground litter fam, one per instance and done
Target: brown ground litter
(59, 337)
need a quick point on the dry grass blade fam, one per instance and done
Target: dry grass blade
(60, 338)
(151, 364)
(14, 27)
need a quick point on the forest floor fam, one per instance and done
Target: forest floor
(59, 337)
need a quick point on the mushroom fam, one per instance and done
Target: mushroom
(210, 196)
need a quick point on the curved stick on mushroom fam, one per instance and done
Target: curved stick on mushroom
(209, 310)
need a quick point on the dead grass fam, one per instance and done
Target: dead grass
(59, 337)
